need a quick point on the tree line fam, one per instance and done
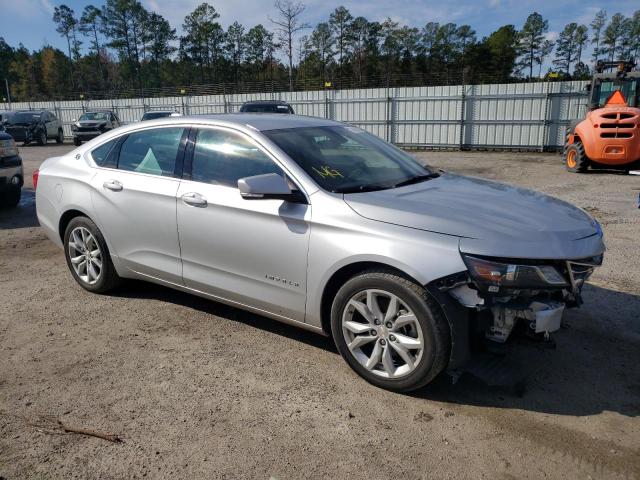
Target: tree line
(122, 46)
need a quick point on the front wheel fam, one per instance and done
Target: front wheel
(77, 142)
(575, 158)
(390, 331)
(88, 257)
(42, 138)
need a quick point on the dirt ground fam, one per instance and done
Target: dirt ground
(200, 390)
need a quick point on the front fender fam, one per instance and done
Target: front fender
(424, 256)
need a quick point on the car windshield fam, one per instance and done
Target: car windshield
(154, 115)
(23, 117)
(94, 116)
(348, 159)
(266, 108)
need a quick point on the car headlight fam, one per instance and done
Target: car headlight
(8, 148)
(493, 275)
(102, 125)
(74, 126)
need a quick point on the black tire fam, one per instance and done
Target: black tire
(60, 136)
(575, 158)
(10, 198)
(77, 142)
(108, 278)
(436, 332)
(42, 138)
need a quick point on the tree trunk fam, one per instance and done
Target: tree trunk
(290, 62)
(73, 85)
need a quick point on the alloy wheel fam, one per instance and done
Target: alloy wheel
(85, 255)
(382, 333)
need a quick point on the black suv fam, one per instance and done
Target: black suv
(33, 125)
(266, 106)
(93, 124)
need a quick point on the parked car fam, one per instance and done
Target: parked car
(324, 226)
(11, 175)
(93, 124)
(154, 114)
(34, 125)
(266, 106)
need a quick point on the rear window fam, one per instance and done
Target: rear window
(103, 155)
(154, 115)
(266, 108)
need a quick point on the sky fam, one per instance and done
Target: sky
(29, 21)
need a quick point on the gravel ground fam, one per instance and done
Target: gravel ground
(200, 390)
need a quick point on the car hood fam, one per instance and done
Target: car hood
(476, 209)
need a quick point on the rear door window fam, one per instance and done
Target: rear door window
(151, 151)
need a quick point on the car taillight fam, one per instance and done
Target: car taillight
(35, 178)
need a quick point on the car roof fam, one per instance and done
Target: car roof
(263, 121)
(98, 110)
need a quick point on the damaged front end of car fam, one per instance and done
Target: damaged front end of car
(497, 299)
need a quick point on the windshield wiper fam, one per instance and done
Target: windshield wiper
(416, 179)
(361, 188)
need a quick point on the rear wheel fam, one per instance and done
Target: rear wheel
(575, 158)
(389, 330)
(88, 257)
(60, 136)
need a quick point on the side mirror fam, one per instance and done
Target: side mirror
(74, 120)
(268, 186)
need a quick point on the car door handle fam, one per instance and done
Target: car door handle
(194, 199)
(114, 185)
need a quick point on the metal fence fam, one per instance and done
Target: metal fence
(521, 116)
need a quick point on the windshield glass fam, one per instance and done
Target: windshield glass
(94, 116)
(23, 117)
(347, 159)
(628, 88)
(154, 115)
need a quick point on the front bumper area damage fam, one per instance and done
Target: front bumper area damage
(486, 315)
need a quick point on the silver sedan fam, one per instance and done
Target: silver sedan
(322, 225)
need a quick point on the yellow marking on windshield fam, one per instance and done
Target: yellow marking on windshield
(327, 172)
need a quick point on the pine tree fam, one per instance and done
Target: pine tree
(532, 44)
(597, 25)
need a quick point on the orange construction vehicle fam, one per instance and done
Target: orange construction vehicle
(609, 136)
